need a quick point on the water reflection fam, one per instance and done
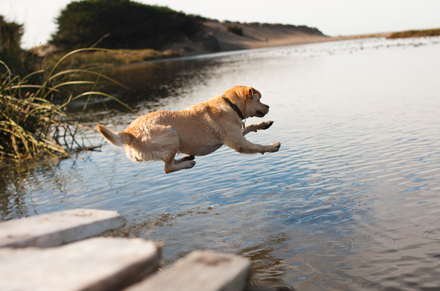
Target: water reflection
(349, 203)
(12, 202)
(149, 84)
(15, 200)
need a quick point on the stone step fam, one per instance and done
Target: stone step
(58, 228)
(96, 264)
(200, 270)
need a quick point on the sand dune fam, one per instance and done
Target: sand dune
(215, 37)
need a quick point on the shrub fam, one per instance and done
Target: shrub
(125, 24)
(10, 50)
(235, 29)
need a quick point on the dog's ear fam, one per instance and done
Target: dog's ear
(252, 93)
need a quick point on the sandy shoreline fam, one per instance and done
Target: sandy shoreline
(215, 38)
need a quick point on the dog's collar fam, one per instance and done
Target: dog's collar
(236, 109)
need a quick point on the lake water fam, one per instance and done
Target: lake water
(350, 202)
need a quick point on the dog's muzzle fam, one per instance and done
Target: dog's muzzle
(262, 113)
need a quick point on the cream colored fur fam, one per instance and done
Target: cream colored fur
(195, 131)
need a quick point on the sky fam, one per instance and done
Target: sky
(332, 17)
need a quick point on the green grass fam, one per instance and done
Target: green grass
(416, 33)
(32, 124)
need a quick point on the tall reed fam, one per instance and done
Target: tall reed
(31, 122)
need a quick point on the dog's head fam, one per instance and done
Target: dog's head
(248, 100)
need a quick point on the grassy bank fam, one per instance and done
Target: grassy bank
(90, 59)
(416, 33)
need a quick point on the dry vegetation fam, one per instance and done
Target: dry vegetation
(416, 33)
(93, 58)
(32, 121)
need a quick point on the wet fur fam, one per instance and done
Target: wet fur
(195, 131)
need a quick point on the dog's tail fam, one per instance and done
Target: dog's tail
(116, 138)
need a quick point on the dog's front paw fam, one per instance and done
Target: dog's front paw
(276, 146)
(265, 124)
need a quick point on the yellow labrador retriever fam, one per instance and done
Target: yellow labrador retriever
(195, 131)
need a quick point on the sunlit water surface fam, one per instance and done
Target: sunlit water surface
(350, 202)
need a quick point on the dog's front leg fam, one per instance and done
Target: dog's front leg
(244, 146)
(251, 148)
(257, 126)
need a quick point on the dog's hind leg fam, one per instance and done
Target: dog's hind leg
(185, 158)
(163, 145)
(173, 165)
(257, 126)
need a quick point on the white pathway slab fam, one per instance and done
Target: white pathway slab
(94, 264)
(58, 228)
(200, 270)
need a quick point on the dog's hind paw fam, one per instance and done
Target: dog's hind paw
(188, 164)
(185, 158)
